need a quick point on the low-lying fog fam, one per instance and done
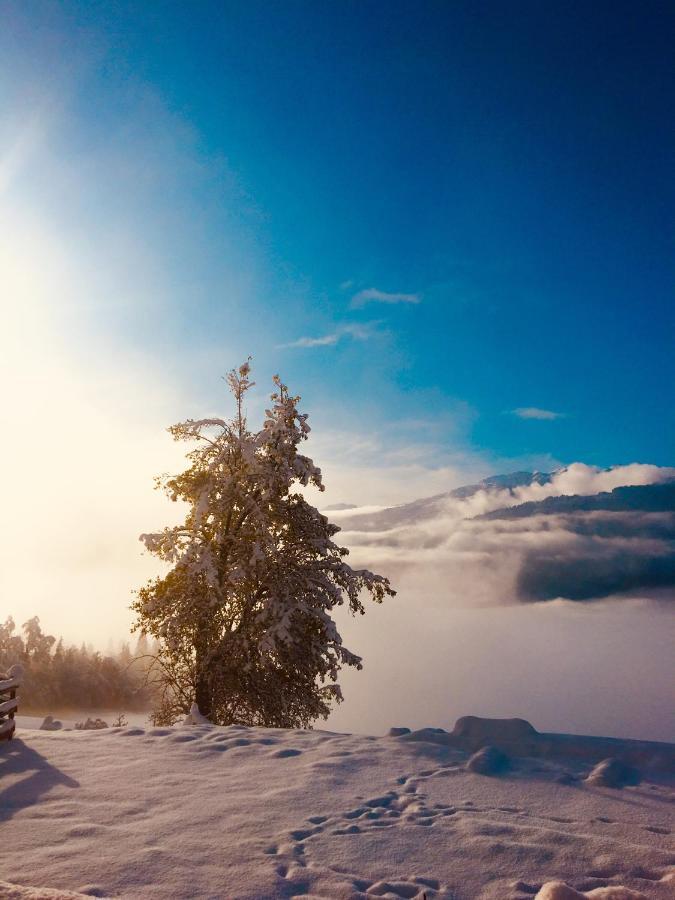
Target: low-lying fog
(478, 626)
(605, 668)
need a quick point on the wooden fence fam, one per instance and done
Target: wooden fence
(8, 704)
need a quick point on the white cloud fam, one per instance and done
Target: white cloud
(373, 295)
(326, 340)
(579, 478)
(355, 331)
(534, 412)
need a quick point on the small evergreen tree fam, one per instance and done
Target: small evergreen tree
(243, 618)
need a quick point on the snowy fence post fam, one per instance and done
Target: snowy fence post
(8, 702)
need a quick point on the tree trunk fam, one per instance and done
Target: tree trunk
(202, 688)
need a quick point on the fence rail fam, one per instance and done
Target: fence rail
(9, 704)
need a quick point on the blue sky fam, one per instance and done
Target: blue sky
(425, 215)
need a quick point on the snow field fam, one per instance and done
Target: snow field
(240, 812)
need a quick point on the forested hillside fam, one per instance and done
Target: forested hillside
(59, 677)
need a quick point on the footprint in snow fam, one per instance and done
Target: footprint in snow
(403, 809)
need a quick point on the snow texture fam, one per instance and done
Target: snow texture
(245, 812)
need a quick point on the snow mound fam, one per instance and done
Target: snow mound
(49, 723)
(488, 761)
(194, 717)
(517, 737)
(475, 732)
(613, 773)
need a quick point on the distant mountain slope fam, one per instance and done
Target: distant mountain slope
(428, 507)
(643, 497)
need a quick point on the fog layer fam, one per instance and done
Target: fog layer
(484, 621)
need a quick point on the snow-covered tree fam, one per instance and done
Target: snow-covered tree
(243, 618)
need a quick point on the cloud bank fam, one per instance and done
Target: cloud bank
(581, 533)
(465, 634)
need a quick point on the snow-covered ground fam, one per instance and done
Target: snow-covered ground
(69, 719)
(207, 812)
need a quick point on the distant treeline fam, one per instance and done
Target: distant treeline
(60, 677)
